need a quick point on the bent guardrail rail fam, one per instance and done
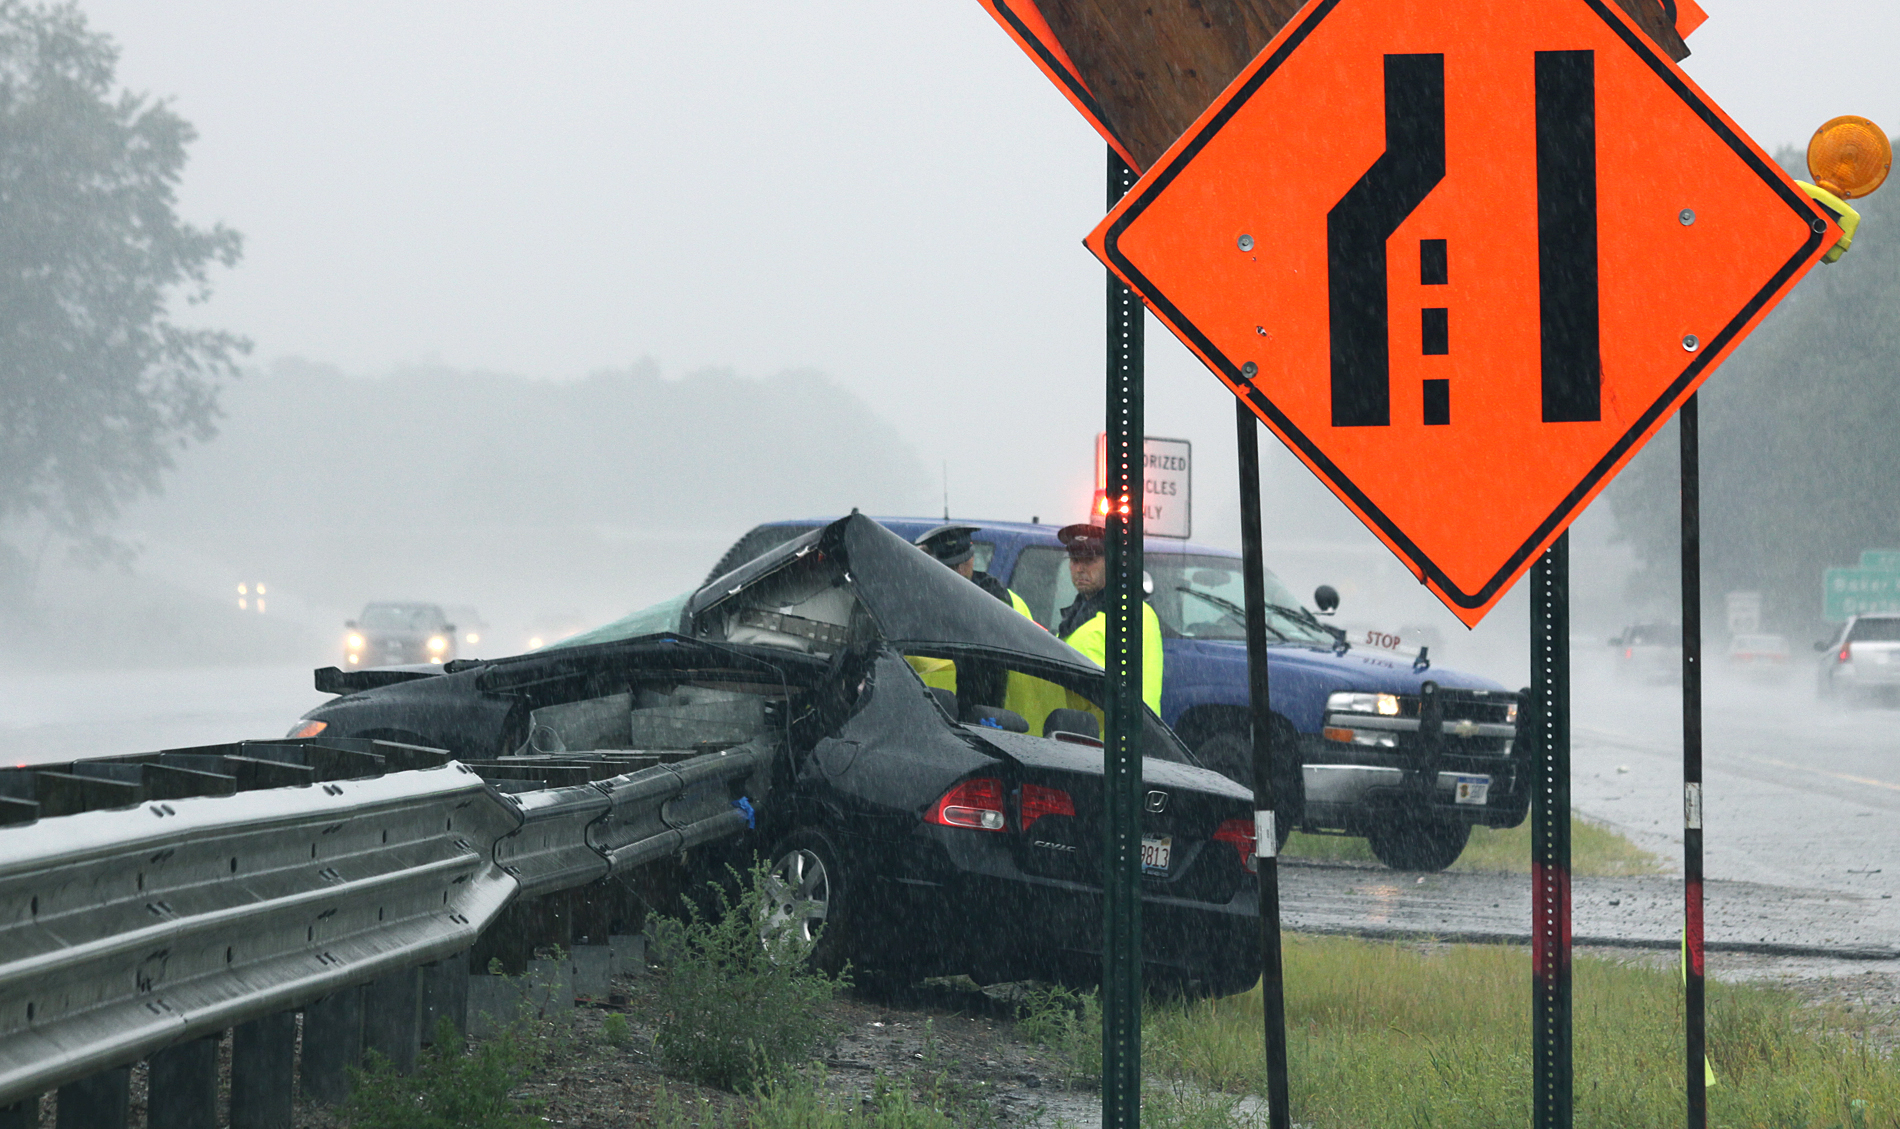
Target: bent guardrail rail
(292, 873)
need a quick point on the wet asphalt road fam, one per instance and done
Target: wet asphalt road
(1801, 815)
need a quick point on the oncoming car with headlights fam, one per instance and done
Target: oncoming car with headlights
(393, 634)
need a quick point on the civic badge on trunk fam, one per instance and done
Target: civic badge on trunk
(1157, 803)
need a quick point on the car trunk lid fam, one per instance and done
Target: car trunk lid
(1182, 808)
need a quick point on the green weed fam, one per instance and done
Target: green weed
(735, 1007)
(1068, 1024)
(450, 1088)
(615, 1031)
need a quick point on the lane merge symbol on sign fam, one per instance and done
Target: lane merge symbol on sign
(1464, 260)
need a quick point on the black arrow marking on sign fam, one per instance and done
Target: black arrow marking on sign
(1567, 236)
(1359, 225)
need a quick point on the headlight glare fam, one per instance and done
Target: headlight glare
(438, 643)
(1347, 701)
(355, 642)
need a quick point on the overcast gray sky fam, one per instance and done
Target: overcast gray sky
(888, 193)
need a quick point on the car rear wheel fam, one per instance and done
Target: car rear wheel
(1414, 842)
(807, 898)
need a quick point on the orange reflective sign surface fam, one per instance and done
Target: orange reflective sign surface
(1464, 260)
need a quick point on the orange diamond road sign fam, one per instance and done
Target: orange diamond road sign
(1464, 260)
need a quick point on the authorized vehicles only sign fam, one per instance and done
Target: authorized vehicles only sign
(1167, 498)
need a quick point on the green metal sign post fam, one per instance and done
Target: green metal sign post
(1121, 855)
(1551, 1090)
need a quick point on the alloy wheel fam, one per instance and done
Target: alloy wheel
(797, 897)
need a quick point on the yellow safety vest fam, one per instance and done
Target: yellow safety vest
(1092, 640)
(942, 673)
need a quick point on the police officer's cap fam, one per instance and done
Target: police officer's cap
(949, 543)
(1082, 539)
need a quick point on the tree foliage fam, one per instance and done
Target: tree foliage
(1798, 441)
(99, 386)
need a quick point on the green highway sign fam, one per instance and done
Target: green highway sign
(1880, 560)
(1848, 592)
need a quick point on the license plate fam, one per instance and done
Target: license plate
(1472, 789)
(1155, 853)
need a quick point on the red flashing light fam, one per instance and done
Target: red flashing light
(1039, 801)
(1240, 834)
(976, 804)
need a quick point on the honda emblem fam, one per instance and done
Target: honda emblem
(1157, 803)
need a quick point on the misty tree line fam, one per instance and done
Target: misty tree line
(98, 385)
(1800, 444)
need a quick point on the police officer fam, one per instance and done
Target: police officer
(951, 545)
(1084, 623)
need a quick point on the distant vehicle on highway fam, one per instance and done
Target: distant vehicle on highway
(1760, 657)
(392, 634)
(1649, 652)
(1863, 658)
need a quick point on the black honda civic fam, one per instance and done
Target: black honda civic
(934, 800)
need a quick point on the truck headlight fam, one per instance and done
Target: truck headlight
(1510, 714)
(437, 644)
(355, 642)
(1346, 701)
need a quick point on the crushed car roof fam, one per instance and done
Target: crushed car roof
(914, 600)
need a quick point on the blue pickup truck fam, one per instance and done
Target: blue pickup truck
(1407, 755)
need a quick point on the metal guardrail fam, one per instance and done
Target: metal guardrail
(128, 929)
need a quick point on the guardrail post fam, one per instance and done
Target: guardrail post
(23, 1114)
(630, 953)
(445, 995)
(263, 1070)
(593, 971)
(183, 1083)
(332, 1043)
(391, 1008)
(99, 1101)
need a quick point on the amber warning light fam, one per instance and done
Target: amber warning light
(1848, 157)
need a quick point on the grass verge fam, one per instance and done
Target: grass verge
(1389, 1035)
(1595, 851)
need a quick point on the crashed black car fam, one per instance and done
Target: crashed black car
(928, 830)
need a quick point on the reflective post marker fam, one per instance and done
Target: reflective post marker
(1550, 838)
(1696, 1044)
(1266, 837)
(1121, 856)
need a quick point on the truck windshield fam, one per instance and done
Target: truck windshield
(1197, 596)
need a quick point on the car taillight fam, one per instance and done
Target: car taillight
(1039, 801)
(1844, 653)
(1629, 652)
(973, 803)
(1239, 832)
